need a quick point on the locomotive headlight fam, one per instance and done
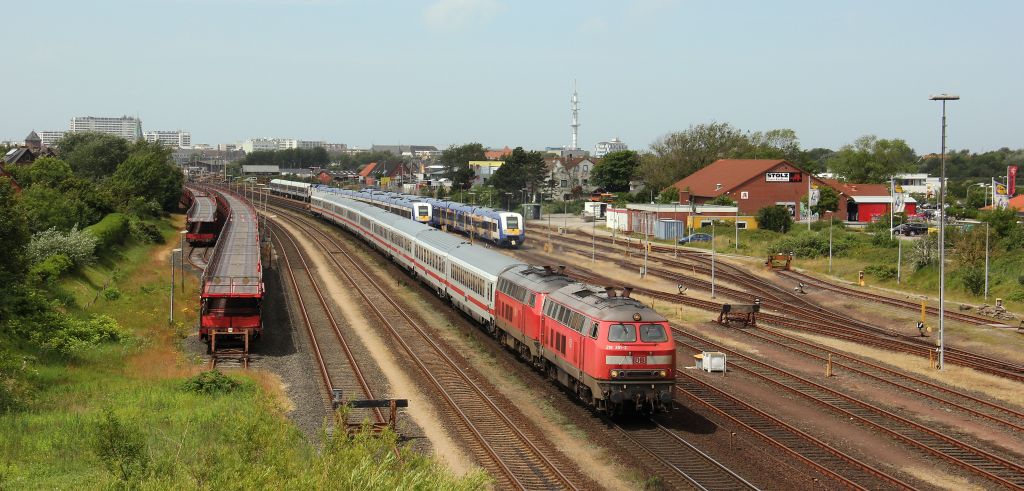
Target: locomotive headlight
(615, 373)
(663, 373)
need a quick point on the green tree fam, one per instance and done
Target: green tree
(521, 170)
(828, 200)
(870, 159)
(722, 200)
(615, 170)
(1002, 221)
(14, 236)
(775, 218)
(48, 171)
(46, 207)
(680, 154)
(455, 160)
(149, 174)
(93, 155)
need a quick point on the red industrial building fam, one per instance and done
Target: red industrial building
(756, 183)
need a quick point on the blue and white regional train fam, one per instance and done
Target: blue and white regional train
(612, 351)
(503, 228)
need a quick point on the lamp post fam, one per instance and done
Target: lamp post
(181, 259)
(508, 202)
(713, 258)
(986, 261)
(170, 318)
(942, 230)
(831, 219)
(675, 231)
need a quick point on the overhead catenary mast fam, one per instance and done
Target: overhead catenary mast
(575, 125)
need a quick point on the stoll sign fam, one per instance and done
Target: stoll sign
(783, 176)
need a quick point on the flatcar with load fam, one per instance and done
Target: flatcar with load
(203, 220)
(232, 284)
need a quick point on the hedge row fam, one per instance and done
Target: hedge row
(111, 231)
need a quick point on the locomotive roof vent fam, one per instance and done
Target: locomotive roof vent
(610, 290)
(626, 291)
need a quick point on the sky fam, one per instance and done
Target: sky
(501, 72)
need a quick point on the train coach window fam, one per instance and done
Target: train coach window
(593, 330)
(622, 333)
(653, 333)
(533, 299)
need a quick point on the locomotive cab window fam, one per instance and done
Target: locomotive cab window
(622, 333)
(653, 333)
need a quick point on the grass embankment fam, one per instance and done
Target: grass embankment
(139, 414)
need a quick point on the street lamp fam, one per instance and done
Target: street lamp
(942, 229)
(181, 259)
(170, 318)
(508, 202)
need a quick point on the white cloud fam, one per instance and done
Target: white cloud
(457, 14)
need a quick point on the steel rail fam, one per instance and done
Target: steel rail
(513, 477)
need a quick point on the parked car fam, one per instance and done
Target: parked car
(910, 229)
(695, 238)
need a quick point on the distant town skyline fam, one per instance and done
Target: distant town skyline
(501, 73)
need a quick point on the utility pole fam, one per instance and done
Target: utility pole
(986, 261)
(713, 258)
(831, 219)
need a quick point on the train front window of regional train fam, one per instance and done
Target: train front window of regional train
(511, 221)
(422, 210)
(653, 333)
(622, 333)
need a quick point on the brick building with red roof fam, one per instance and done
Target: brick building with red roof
(756, 183)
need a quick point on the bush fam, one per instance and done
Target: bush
(812, 245)
(973, 278)
(1016, 296)
(110, 231)
(882, 239)
(144, 232)
(882, 272)
(69, 337)
(111, 293)
(122, 449)
(775, 218)
(15, 392)
(76, 245)
(211, 382)
(47, 271)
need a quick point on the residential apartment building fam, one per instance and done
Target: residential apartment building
(126, 127)
(604, 148)
(49, 138)
(259, 145)
(180, 139)
(569, 176)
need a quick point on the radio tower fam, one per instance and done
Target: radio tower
(575, 125)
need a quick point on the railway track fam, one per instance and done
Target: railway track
(895, 302)
(338, 368)
(796, 313)
(976, 460)
(199, 257)
(497, 434)
(1009, 418)
(697, 468)
(981, 462)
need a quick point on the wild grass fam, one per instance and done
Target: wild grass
(122, 415)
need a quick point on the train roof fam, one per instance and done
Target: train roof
(539, 279)
(291, 183)
(203, 209)
(484, 259)
(594, 301)
(235, 269)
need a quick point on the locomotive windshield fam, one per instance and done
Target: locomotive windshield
(626, 333)
(622, 333)
(653, 333)
(421, 210)
(511, 221)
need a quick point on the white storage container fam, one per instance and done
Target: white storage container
(713, 361)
